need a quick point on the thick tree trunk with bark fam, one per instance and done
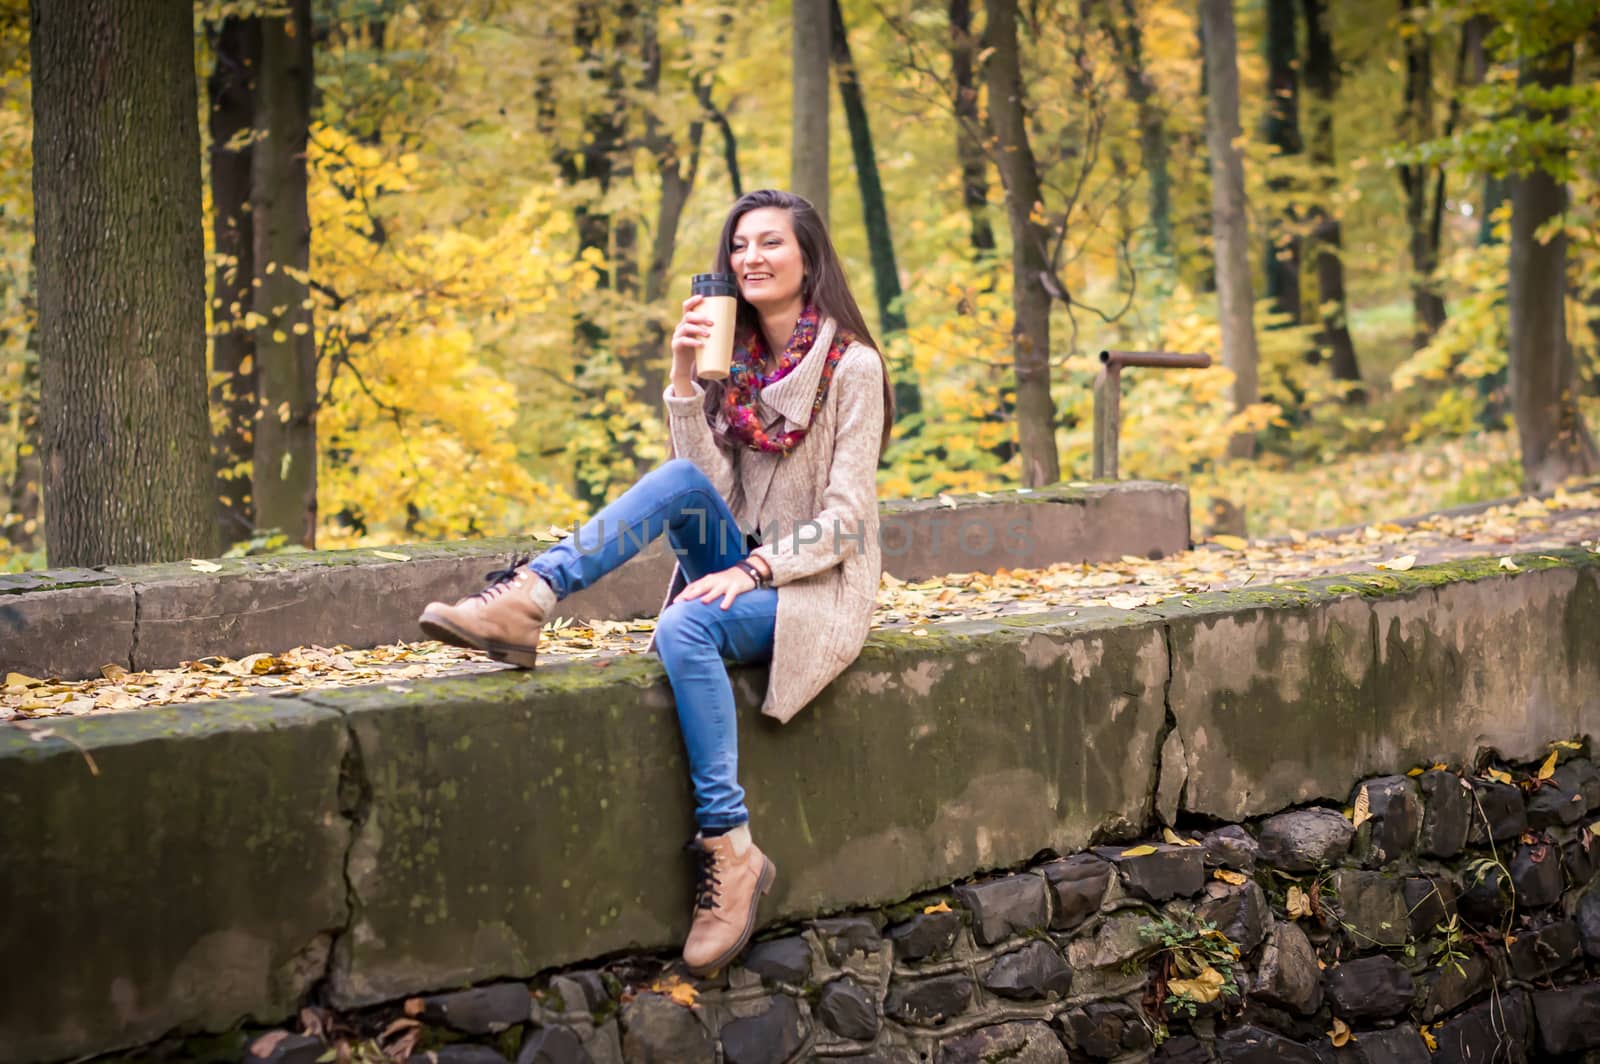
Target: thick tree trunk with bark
(1281, 128)
(231, 118)
(808, 148)
(1230, 228)
(285, 445)
(1475, 35)
(1030, 300)
(973, 160)
(1555, 442)
(121, 282)
(1326, 243)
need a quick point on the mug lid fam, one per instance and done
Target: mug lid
(714, 278)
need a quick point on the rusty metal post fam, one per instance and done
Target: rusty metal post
(1108, 398)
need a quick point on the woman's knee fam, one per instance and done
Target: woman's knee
(683, 473)
(680, 629)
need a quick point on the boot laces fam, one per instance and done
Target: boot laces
(706, 883)
(500, 580)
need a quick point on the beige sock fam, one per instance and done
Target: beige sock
(740, 837)
(542, 594)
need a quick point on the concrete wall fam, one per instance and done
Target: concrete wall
(216, 862)
(69, 622)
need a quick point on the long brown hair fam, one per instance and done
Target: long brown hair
(825, 287)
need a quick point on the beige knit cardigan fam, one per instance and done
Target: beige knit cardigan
(816, 507)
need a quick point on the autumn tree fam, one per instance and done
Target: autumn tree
(1424, 187)
(1280, 127)
(808, 145)
(1230, 227)
(1127, 35)
(120, 279)
(231, 118)
(970, 127)
(1325, 243)
(284, 475)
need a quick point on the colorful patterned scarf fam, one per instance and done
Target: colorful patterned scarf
(745, 381)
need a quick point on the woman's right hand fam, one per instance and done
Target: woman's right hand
(690, 335)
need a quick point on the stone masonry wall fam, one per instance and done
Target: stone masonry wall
(1441, 916)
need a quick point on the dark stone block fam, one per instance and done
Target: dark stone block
(848, 1011)
(288, 1049)
(1581, 855)
(770, 1038)
(782, 960)
(1430, 901)
(1568, 1019)
(1368, 988)
(842, 936)
(1397, 1045)
(1238, 912)
(1486, 897)
(1451, 984)
(1395, 818)
(1497, 1030)
(929, 1002)
(925, 935)
(1503, 815)
(1538, 955)
(1536, 875)
(1287, 975)
(592, 986)
(1373, 904)
(1004, 907)
(1230, 847)
(1034, 971)
(1103, 1029)
(1551, 806)
(1079, 883)
(552, 1045)
(1580, 776)
(481, 1010)
(1446, 815)
(1022, 1042)
(463, 1053)
(1185, 1049)
(657, 1030)
(1305, 840)
(1170, 872)
(1589, 924)
(1255, 1045)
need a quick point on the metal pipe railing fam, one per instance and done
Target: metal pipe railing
(1108, 398)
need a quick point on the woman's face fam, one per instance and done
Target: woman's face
(766, 258)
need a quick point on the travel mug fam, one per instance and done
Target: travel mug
(721, 305)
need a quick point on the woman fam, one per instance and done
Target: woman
(770, 504)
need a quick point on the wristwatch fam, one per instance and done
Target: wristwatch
(755, 574)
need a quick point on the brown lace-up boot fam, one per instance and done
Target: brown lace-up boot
(503, 620)
(732, 876)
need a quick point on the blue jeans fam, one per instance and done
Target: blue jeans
(692, 637)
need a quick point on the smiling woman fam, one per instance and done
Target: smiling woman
(789, 443)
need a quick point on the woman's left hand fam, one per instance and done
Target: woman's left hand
(729, 583)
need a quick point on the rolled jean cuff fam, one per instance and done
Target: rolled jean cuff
(718, 827)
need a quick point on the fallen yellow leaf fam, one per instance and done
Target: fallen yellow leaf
(17, 679)
(1340, 1035)
(1428, 1038)
(1297, 904)
(1566, 744)
(1203, 988)
(391, 555)
(937, 907)
(1363, 808)
(113, 672)
(1237, 879)
(201, 566)
(1547, 769)
(676, 990)
(1172, 837)
(1498, 776)
(1398, 565)
(1508, 565)
(1414, 771)
(1139, 851)
(1231, 542)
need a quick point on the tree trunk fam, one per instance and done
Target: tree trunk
(874, 211)
(1475, 35)
(1030, 300)
(1230, 227)
(809, 148)
(1326, 244)
(1428, 311)
(1281, 128)
(121, 281)
(230, 87)
(27, 474)
(285, 472)
(1128, 39)
(1544, 396)
(973, 160)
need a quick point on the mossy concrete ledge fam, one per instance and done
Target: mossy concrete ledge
(177, 868)
(70, 622)
(366, 844)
